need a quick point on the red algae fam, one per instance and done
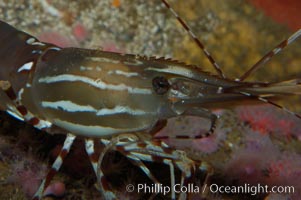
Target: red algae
(80, 32)
(266, 119)
(56, 38)
(284, 12)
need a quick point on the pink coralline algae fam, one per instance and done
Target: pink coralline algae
(285, 169)
(249, 161)
(259, 160)
(27, 173)
(267, 119)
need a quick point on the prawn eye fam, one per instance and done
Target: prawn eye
(160, 85)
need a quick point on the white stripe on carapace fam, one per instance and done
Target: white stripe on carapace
(30, 40)
(36, 51)
(122, 109)
(98, 83)
(72, 107)
(26, 66)
(33, 41)
(92, 131)
(133, 62)
(102, 59)
(54, 48)
(68, 106)
(174, 70)
(83, 68)
(126, 74)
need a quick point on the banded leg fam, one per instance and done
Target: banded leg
(204, 167)
(110, 145)
(103, 184)
(257, 65)
(18, 110)
(55, 166)
(9, 92)
(160, 152)
(270, 54)
(205, 114)
(195, 39)
(262, 99)
(199, 112)
(143, 156)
